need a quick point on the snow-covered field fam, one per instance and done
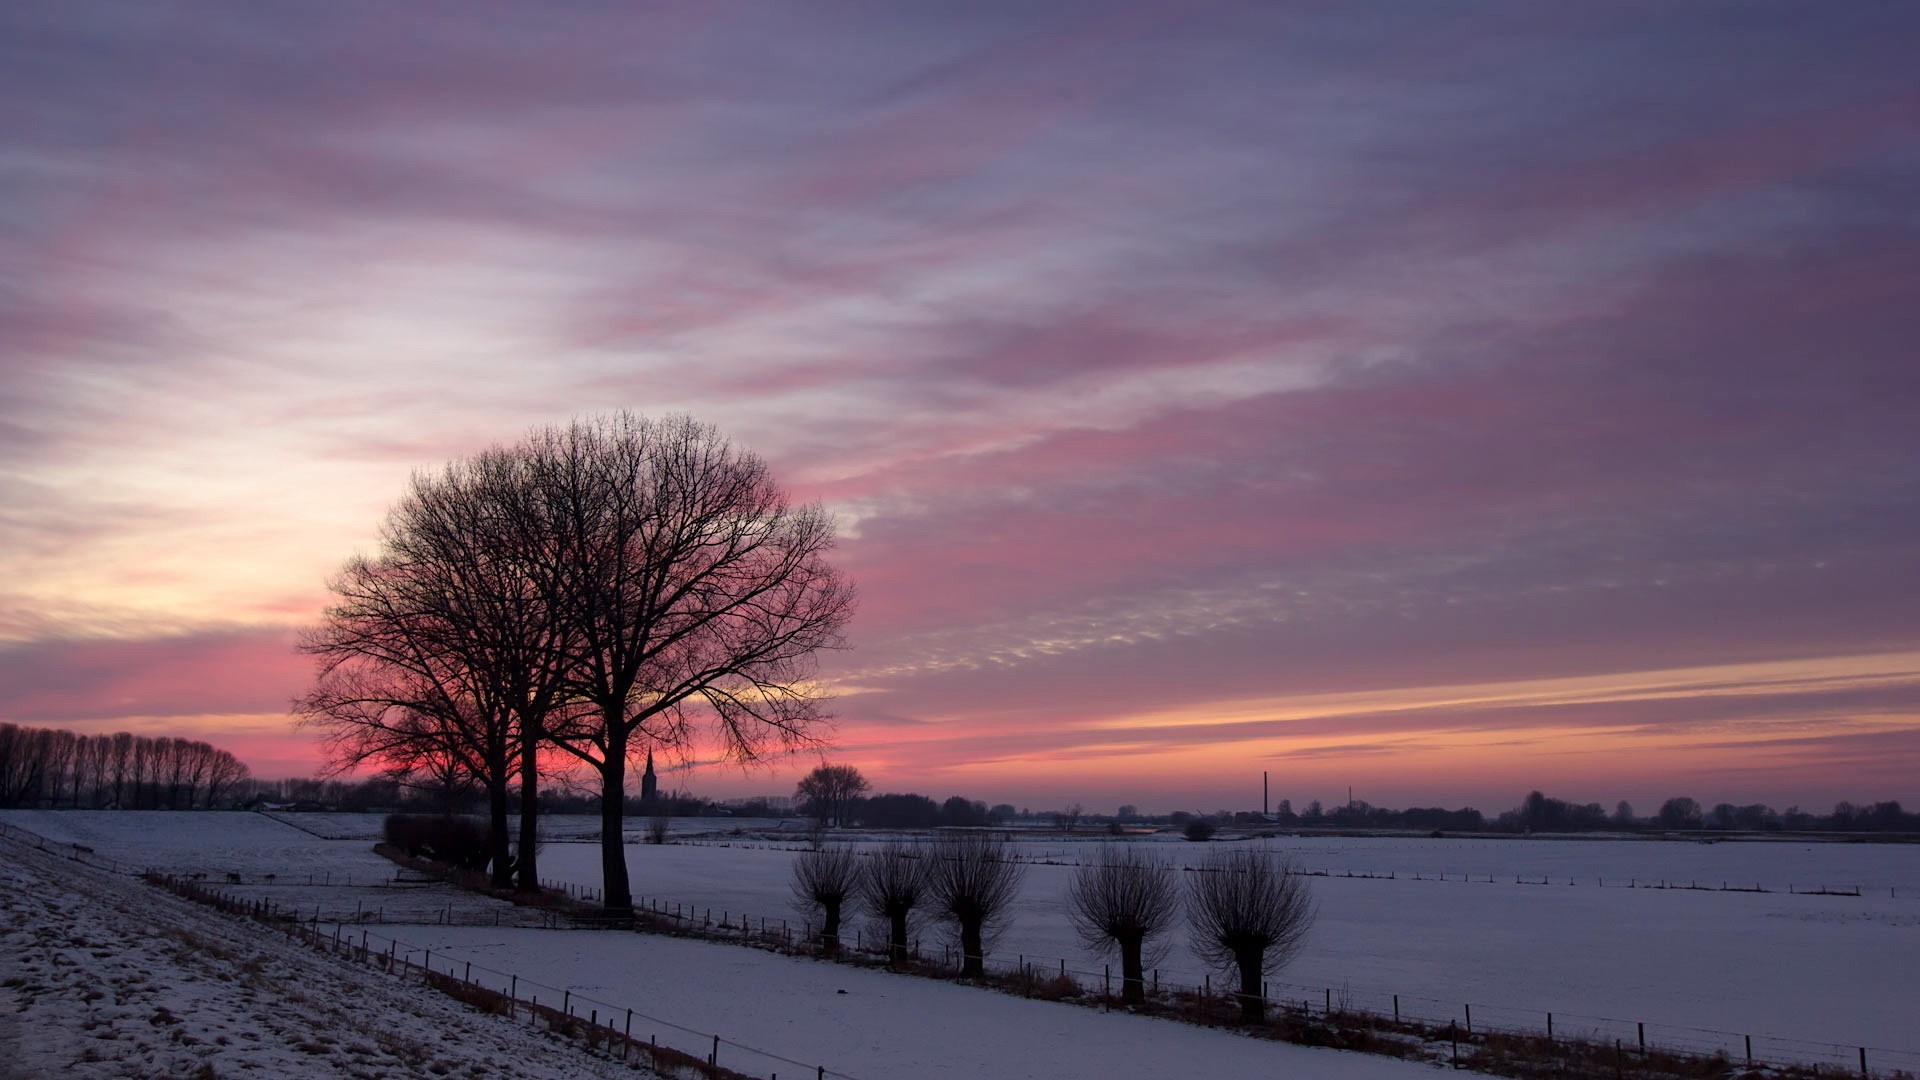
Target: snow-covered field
(1837, 970)
(164, 987)
(1818, 969)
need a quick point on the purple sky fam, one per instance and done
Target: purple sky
(1445, 400)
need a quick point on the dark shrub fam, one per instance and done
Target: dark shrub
(457, 841)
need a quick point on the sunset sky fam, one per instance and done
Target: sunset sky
(1446, 400)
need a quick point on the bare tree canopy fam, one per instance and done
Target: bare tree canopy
(1248, 914)
(827, 793)
(893, 883)
(689, 587)
(974, 880)
(603, 585)
(52, 767)
(442, 653)
(824, 879)
(1123, 902)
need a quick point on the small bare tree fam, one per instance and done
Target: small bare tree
(823, 880)
(893, 883)
(1248, 914)
(974, 880)
(1124, 902)
(657, 827)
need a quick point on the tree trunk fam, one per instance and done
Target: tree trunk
(830, 929)
(498, 847)
(525, 867)
(973, 958)
(1133, 973)
(1253, 1007)
(897, 939)
(613, 842)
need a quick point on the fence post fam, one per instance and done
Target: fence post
(713, 1058)
(1328, 1007)
(1453, 1036)
(1749, 1039)
(1469, 1019)
(1863, 1064)
(1642, 1026)
(1549, 1027)
(1396, 1008)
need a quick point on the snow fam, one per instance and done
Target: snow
(869, 1024)
(1778, 966)
(239, 998)
(1809, 976)
(104, 977)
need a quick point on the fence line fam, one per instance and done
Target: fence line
(565, 1009)
(1725, 884)
(1344, 1002)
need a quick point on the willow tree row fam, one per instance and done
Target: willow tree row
(1247, 912)
(54, 768)
(597, 589)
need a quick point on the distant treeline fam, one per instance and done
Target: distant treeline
(45, 767)
(1540, 813)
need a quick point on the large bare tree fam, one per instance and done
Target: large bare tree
(691, 590)
(1124, 902)
(1249, 914)
(442, 653)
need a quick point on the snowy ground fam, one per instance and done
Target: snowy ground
(102, 976)
(868, 1024)
(105, 977)
(1780, 966)
(1792, 970)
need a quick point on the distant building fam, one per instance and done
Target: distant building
(649, 783)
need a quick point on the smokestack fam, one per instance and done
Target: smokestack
(1263, 793)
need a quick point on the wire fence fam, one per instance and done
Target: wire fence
(1055, 977)
(1168, 987)
(1694, 884)
(614, 1030)
(79, 853)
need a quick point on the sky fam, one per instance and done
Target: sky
(1441, 401)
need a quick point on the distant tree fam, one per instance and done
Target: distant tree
(974, 879)
(823, 880)
(1314, 814)
(657, 826)
(828, 792)
(1199, 830)
(1070, 817)
(961, 812)
(1128, 812)
(1724, 816)
(1248, 915)
(893, 884)
(1623, 814)
(900, 812)
(1002, 813)
(1679, 813)
(1122, 902)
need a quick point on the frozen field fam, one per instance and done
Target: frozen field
(1828, 969)
(1837, 970)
